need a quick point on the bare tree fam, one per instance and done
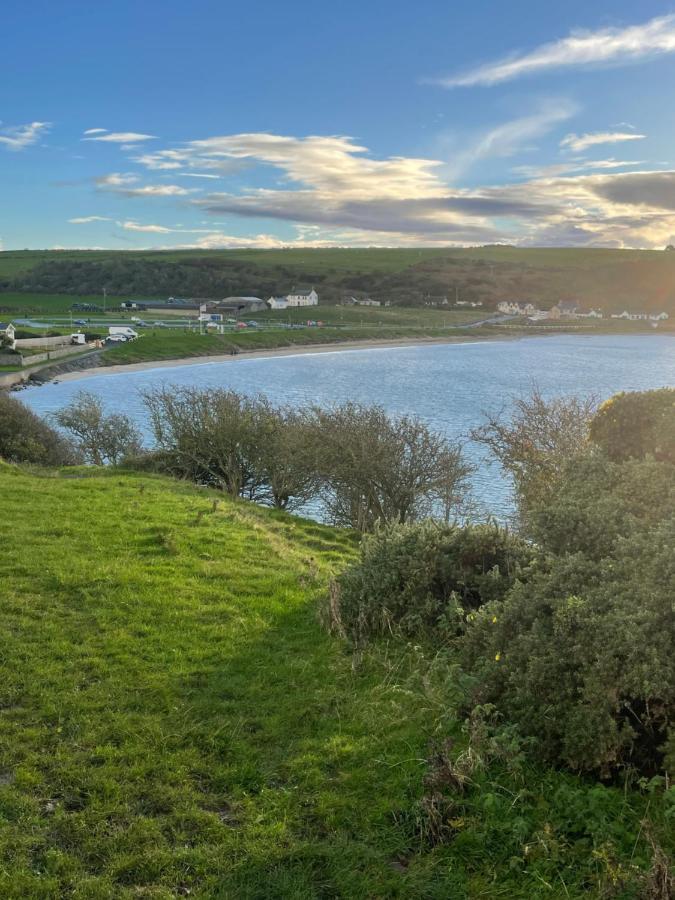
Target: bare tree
(281, 457)
(375, 468)
(536, 440)
(101, 438)
(208, 434)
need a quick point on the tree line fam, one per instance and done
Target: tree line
(360, 464)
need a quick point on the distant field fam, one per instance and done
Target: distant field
(348, 259)
(28, 304)
(368, 260)
(369, 315)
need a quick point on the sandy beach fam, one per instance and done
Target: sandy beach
(308, 349)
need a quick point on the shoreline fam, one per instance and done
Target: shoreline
(301, 350)
(271, 353)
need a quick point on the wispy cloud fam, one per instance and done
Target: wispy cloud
(133, 225)
(85, 220)
(126, 183)
(511, 137)
(580, 48)
(151, 229)
(17, 137)
(581, 142)
(95, 131)
(117, 137)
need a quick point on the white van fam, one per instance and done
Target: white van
(123, 331)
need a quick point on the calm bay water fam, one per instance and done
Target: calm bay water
(450, 386)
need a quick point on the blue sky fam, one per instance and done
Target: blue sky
(214, 124)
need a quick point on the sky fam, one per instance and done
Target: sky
(212, 124)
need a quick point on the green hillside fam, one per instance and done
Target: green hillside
(175, 722)
(611, 279)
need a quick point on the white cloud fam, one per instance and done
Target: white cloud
(16, 137)
(153, 229)
(197, 175)
(120, 137)
(85, 220)
(132, 225)
(116, 180)
(334, 192)
(95, 131)
(158, 190)
(507, 139)
(580, 48)
(127, 184)
(581, 142)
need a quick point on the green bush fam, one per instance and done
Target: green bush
(597, 501)
(581, 656)
(25, 438)
(630, 426)
(423, 580)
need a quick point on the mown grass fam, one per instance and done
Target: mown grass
(175, 722)
(167, 345)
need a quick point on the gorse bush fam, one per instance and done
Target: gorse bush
(598, 501)
(580, 657)
(424, 580)
(25, 438)
(635, 425)
(570, 638)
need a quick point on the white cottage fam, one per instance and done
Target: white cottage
(303, 298)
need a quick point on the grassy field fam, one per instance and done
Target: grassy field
(370, 259)
(176, 723)
(49, 304)
(161, 345)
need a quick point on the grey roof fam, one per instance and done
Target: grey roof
(242, 300)
(567, 304)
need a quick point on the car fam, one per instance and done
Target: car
(159, 324)
(80, 321)
(252, 324)
(231, 321)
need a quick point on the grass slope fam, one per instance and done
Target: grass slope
(175, 722)
(611, 279)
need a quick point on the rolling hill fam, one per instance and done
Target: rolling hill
(610, 279)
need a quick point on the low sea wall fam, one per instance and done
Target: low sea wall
(43, 342)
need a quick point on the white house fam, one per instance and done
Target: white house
(631, 316)
(514, 308)
(303, 298)
(7, 331)
(589, 314)
(277, 303)
(659, 317)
